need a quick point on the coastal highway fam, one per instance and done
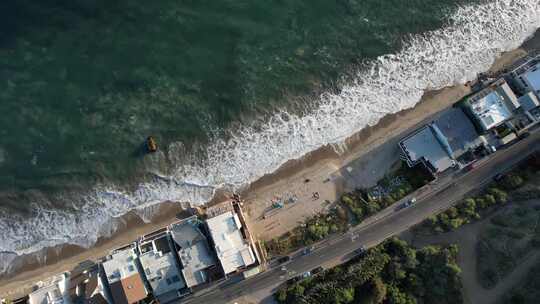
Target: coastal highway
(439, 196)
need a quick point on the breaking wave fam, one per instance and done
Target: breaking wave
(472, 39)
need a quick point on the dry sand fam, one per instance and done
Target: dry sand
(375, 147)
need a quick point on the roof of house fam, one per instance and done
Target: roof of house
(123, 276)
(51, 292)
(128, 290)
(457, 129)
(490, 110)
(533, 77)
(529, 101)
(194, 251)
(84, 286)
(159, 264)
(424, 146)
(232, 250)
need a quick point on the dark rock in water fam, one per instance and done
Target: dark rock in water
(151, 144)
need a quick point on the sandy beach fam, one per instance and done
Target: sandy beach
(361, 161)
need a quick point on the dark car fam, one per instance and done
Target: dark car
(470, 167)
(284, 259)
(498, 177)
(316, 270)
(524, 135)
(294, 280)
(360, 251)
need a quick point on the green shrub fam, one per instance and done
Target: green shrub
(481, 203)
(490, 200)
(511, 181)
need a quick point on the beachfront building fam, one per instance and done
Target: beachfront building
(160, 266)
(492, 106)
(439, 144)
(527, 76)
(84, 286)
(425, 146)
(232, 247)
(196, 259)
(53, 291)
(120, 274)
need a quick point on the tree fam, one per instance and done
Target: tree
(500, 195)
(512, 181)
(481, 203)
(452, 212)
(396, 296)
(395, 272)
(318, 231)
(343, 295)
(490, 199)
(281, 295)
(297, 290)
(456, 223)
(371, 207)
(347, 200)
(468, 208)
(431, 221)
(378, 290)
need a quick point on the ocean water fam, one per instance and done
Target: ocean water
(230, 89)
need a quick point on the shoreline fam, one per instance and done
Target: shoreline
(34, 267)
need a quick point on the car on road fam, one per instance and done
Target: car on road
(524, 135)
(360, 251)
(470, 167)
(306, 275)
(293, 280)
(308, 250)
(498, 177)
(283, 259)
(408, 203)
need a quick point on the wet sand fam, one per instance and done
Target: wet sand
(325, 161)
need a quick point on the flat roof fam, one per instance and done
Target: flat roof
(123, 276)
(160, 266)
(533, 77)
(529, 101)
(194, 251)
(490, 110)
(232, 250)
(423, 145)
(458, 130)
(51, 292)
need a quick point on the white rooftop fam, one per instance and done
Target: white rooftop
(120, 265)
(159, 266)
(490, 110)
(231, 248)
(533, 78)
(52, 292)
(194, 252)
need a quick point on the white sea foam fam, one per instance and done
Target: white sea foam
(475, 36)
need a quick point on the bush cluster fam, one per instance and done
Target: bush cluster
(392, 272)
(466, 211)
